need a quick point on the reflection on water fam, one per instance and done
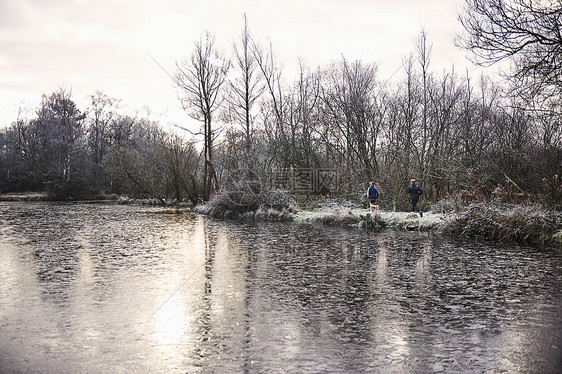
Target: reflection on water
(98, 288)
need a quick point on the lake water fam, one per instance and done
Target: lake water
(103, 288)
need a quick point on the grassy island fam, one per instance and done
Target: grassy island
(494, 220)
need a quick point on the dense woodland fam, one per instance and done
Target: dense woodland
(461, 137)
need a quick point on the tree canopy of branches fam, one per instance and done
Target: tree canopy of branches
(527, 32)
(201, 78)
(245, 88)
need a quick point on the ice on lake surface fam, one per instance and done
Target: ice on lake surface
(103, 288)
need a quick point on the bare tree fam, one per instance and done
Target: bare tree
(304, 121)
(201, 78)
(353, 109)
(424, 58)
(273, 111)
(62, 126)
(178, 158)
(292, 140)
(246, 86)
(400, 156)
(101, 114)
(526, 32)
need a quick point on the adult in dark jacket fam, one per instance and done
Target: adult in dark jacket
(414, 191)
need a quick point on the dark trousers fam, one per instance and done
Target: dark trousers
(415, 200)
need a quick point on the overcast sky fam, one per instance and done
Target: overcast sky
(89, 45)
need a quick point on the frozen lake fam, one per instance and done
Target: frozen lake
(102, 288)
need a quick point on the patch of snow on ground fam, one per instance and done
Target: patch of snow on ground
(429, 220)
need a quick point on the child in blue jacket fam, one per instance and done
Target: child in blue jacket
(373, 195)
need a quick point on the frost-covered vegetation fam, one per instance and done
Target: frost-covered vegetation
(528, 223)
(524, 223)
(279, 205)
(251, 203)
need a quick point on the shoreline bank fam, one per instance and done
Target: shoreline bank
(533, 224)
(528, 224)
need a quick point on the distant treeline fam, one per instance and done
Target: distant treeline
(70, 152)
(457, 138)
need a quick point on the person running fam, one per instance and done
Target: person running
(414, 191)
(373, 195)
